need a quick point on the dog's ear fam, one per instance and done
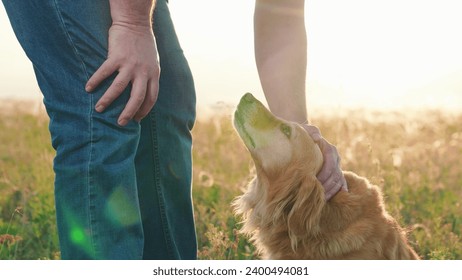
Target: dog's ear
(245, 205)
(303, 218)
(247, 201)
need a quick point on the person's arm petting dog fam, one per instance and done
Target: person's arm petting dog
(132, 54)
(281, 55)
(281, 58)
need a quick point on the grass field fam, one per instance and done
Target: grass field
(416, 159)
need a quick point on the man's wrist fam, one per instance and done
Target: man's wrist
(132, 13)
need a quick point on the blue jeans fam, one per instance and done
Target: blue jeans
(120, 192)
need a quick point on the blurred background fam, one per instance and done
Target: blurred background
(373, 54)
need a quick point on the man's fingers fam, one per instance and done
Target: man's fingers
(331, 161)
(313, 131)
(326, 171)
(333, 190)
(119, 84)
(137, 97)
(330, 175)
(142, 97)
(103, 72)
(334, 184)
(149, 101)
(334, 179)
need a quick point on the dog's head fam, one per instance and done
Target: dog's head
(276, 145)
(287, 160)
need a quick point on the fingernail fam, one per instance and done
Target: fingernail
(122, 122)
(99, 108)
(88, 88)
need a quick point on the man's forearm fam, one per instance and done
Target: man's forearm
(132, 12)
(281, 53)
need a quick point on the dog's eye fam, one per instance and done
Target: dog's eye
(287, 130)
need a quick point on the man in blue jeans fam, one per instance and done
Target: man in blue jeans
(122, 165)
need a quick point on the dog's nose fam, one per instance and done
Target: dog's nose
(248, 97)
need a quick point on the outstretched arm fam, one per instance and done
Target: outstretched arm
(281, 57)
(132, 52)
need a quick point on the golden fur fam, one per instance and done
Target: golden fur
(284, 209)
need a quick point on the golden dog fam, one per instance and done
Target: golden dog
(284, 209)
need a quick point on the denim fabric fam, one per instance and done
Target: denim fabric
(120, 192)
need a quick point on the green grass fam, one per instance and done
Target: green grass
(26, 187)
(416, 159)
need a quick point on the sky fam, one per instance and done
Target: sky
(374, 54)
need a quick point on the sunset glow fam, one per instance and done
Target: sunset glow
(361, 53)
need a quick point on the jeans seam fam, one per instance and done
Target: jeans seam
(157, 183)
(90, 121)
(69, 37)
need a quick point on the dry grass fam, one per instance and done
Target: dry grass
(416, 159)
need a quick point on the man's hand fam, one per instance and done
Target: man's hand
(132, 52)
(331, 175)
